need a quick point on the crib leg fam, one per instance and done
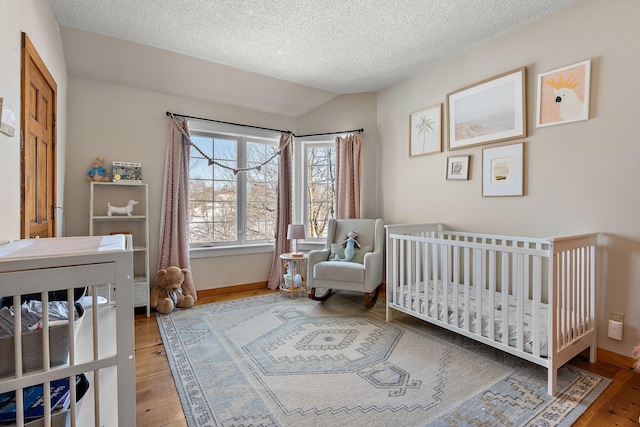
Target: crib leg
(552, 381)
(593, 353)
(389, 314)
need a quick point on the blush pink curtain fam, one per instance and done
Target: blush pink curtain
(348, 177)
(174, 226)
(283, 209)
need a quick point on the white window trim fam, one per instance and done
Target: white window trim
(300, 179)
(215, 129)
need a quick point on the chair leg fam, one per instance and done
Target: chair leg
(323, 297)
(371, 298)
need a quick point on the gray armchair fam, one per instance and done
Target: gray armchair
(325, 275)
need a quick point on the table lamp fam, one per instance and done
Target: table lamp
(295, 232)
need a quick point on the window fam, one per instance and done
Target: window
(227, 207)
(319, 186)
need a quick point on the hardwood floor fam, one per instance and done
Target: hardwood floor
(158, 404)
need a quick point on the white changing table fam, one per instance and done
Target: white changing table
(43, 265)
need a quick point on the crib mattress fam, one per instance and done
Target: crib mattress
(416, 302)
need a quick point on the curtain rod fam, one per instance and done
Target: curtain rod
(169, 114)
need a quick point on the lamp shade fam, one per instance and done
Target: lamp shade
(295, 231)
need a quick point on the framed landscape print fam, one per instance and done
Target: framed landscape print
(563, 95)
(503, 170)
(490, 111)
(425, 131)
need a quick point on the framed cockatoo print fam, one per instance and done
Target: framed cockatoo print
(563, 95)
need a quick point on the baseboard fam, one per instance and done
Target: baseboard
(232, 289)
(615, 359)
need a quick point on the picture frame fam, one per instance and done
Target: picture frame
(490, 111)
(126, 172)
(563, 95)
(425, 131)
(458, 167)
(503, 170)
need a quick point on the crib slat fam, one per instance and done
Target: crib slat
(436, 283)
(455, 287)
(477, 283)
(401, 269)
(492, 295)
(467, 283)
(537, 298)
(504, 279)
(523, 282)
(428, 279)
(445, 282)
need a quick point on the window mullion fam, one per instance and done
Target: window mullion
(242, 192)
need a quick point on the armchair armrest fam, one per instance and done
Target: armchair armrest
(373, 270)
(315, 257)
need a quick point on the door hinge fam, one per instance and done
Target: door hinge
(54, 209)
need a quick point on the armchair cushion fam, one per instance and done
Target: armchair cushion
(339, 271)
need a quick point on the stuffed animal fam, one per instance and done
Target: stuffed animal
(97, 172)
(169, 291)
(350, 247)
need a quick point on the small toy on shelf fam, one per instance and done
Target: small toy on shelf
(121, 210)
(97, 172)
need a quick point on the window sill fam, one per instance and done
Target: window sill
(211, 252)
(216, 251)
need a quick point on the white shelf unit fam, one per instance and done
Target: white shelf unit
(100, 223)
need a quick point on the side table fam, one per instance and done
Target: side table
(294, 277)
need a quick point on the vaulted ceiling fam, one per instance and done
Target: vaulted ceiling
(280, 56)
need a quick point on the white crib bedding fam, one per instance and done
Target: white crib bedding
(417, 304)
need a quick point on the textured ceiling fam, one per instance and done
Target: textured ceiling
(341, 46)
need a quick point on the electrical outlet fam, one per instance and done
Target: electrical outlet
(616, 317)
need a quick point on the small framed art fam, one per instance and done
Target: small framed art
(425, 131)
(490, 111)
(563, 95)
(503, 170)
(126, 172)
(458, 167)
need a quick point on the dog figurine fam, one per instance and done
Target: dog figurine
(121, 210)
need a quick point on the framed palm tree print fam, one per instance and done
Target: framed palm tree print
(425, 131)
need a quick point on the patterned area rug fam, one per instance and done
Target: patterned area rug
(276, 361)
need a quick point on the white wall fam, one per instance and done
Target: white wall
(127, 124)
(36, 19)
(579, 177)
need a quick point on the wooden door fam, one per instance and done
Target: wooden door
(38, 145)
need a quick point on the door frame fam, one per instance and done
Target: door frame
(30, 55)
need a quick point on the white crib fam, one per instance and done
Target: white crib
(40, 266)
(470, 283)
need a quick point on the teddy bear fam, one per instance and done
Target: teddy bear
(169, 291)
(97, 172)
